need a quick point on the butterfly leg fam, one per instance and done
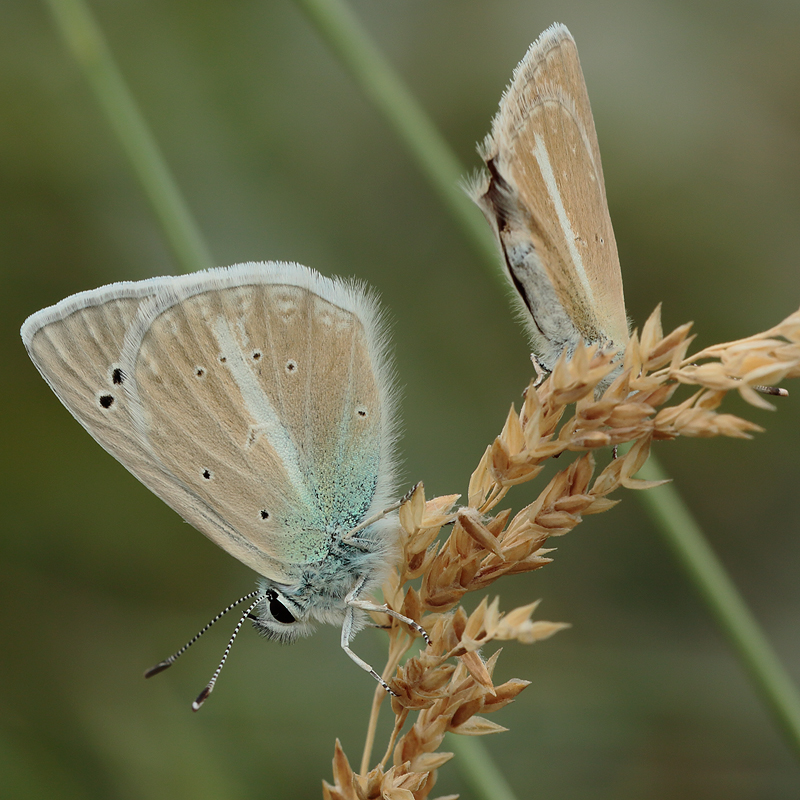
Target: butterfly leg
(348, 537)
(352, 602)
(347, 635)
(365, 605)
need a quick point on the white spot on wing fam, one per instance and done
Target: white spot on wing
(330, 316)
(285, 303)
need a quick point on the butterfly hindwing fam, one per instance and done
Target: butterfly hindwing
(208, 389)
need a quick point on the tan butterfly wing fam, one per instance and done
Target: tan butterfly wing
(545, 198)
(254, 400)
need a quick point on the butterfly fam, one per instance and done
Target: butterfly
(543, 193)
(258, 402)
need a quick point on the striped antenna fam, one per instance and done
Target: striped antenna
(201, 698)
(168, 662)
(775, 391)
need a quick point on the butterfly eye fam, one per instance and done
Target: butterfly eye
(280, 612)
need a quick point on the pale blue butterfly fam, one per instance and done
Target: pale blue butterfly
(257, 401)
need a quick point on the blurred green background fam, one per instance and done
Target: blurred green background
(697, 106)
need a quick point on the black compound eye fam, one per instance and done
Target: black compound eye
(280, 612)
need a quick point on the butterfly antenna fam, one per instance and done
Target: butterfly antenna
(201, 698)
(168, 662)
(775, 391)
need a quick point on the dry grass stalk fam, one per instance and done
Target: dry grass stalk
(448, 686)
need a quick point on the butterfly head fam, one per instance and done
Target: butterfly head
(280, 617)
